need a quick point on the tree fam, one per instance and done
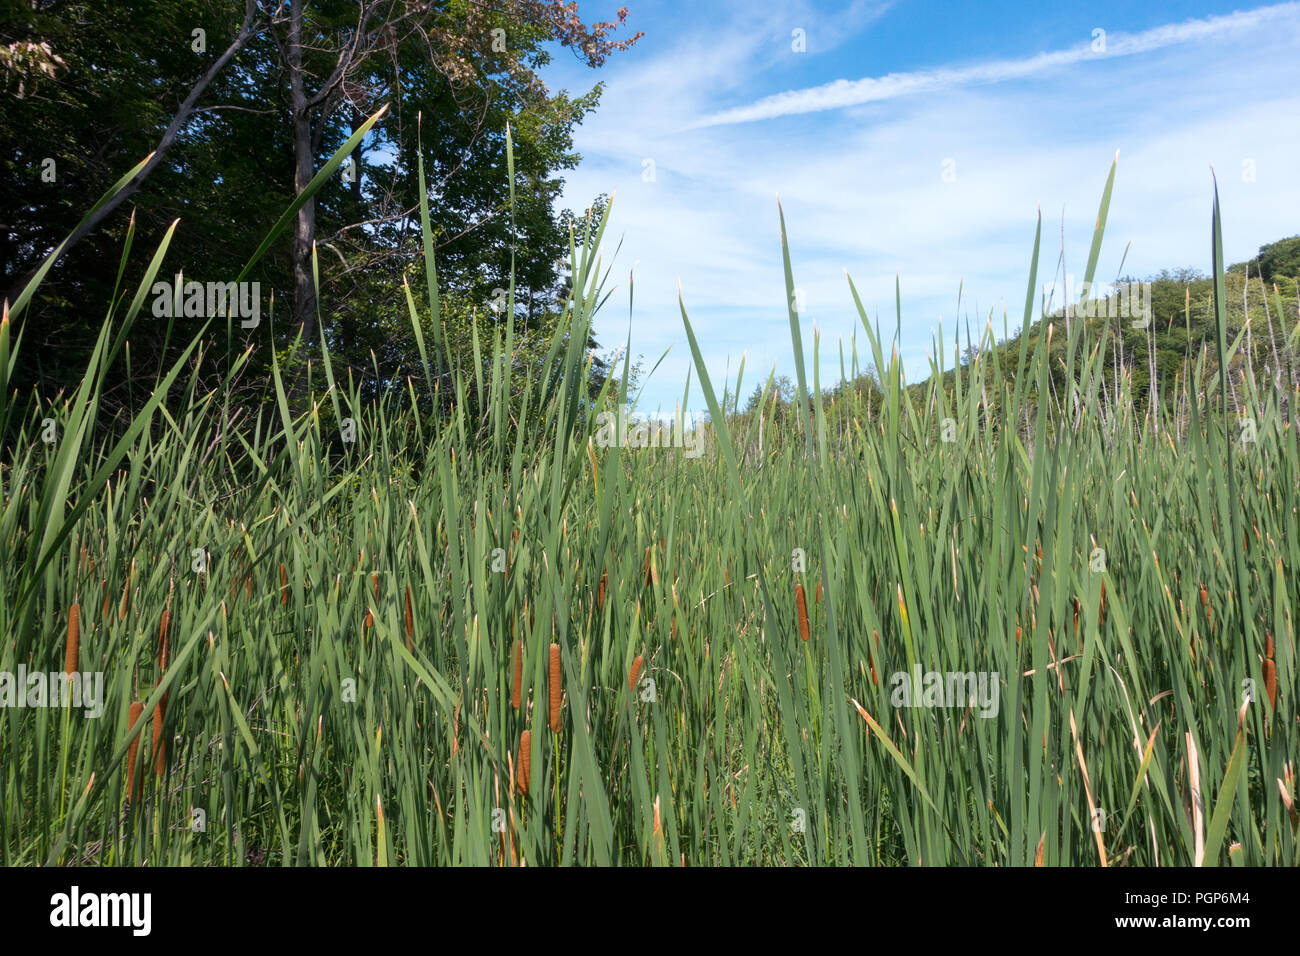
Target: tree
(781, 395)
(237, 129)
(1279, 260)
(102, 59)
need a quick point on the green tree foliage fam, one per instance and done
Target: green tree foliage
(208, 88)
(1276, 262)
(1181, 335)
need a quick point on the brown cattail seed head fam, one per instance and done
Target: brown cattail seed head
(137, 708)
(555, 688)
(525, 764)
(74, 639)
(1270, 682)
(803, 610)
(635, 673)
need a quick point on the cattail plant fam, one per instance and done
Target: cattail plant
(74, 639)
(802, 602)
(634, 674)
(554, 669)
(523, 766)
(1060, 458)
(137, 708)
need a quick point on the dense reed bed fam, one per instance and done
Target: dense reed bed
(490, 641)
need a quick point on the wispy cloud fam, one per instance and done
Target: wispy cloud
(845, 93)
(871, 195)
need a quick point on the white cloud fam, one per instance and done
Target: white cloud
(862, 190)
(843, 93)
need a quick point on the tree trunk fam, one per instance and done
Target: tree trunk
(348, 323)
(304, 223)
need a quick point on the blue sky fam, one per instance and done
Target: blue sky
(918, 139)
